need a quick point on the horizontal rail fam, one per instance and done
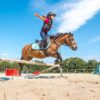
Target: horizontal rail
(26, 62)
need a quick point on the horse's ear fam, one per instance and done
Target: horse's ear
(70, 33)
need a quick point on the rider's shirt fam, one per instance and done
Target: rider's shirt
(47, 25)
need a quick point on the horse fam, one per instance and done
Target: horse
(66, 39)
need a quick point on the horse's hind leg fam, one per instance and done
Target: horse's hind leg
(21, 66)
(25, 56)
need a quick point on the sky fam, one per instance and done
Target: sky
(19, 26)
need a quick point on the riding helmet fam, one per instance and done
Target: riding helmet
(51, 14)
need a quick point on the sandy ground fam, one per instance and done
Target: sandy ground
(73, 87)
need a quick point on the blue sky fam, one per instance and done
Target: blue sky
(18, 25)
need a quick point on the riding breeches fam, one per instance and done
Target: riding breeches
(44, 35)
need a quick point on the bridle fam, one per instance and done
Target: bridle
(65, 41)
(68, 39)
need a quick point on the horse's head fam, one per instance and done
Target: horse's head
(70, 41)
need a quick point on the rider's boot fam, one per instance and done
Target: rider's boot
(43, 44)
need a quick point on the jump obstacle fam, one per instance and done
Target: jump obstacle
(25, 62)
(52, 66)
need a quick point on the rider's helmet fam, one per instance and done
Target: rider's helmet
(51, 14)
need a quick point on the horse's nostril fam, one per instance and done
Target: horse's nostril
(75, 48)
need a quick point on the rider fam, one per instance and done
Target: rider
(48, 21)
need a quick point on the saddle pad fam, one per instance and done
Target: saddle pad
(36, 46)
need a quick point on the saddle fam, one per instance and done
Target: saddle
(41, 44)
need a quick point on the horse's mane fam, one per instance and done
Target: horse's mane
(60, 34)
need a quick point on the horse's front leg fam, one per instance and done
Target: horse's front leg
(58, 56)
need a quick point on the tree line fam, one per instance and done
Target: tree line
(69, 65)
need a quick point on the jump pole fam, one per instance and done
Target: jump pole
(52, 66)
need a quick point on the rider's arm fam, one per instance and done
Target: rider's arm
(41, 17)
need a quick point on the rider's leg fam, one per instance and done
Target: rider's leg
(44, 36)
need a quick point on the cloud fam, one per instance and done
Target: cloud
(39, 6)
(5, 54)
(78, 14)
(96, 39)
(72, 14)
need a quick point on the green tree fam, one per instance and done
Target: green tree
(74, 63)
(31, 68)
(91, 64)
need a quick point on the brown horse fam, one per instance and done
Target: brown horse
(66, 39)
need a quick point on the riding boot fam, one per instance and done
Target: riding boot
(42, 45)
(45, 43)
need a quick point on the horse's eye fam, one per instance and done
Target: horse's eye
(72, 39)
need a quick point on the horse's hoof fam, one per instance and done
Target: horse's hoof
(56, 61)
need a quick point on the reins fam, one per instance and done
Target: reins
(59, 44)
